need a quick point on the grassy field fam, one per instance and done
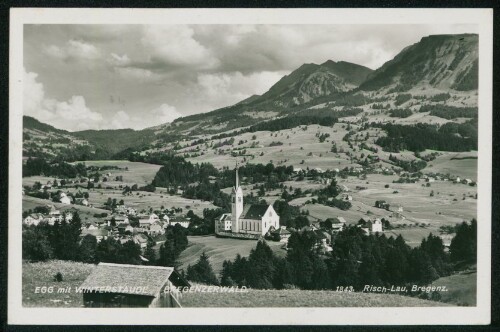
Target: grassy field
(463, 164)
(137, 173)
(86, 213)
(140, 200)
(302, 298)
(220, 249)
(462, 288)
(42, 275)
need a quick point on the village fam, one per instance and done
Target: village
(146, 224)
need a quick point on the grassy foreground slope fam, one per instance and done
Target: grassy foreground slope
(302, 298)
(42, 274)
(462, 288)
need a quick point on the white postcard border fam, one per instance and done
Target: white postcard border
(480, 314)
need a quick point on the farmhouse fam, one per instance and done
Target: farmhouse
(100, 233)
(338, 224)
(371, 227)
(82, 201)
(33, 219)
(253, 219)
(181, 221)
(125, 228)
(122, 285)
(281, 234)
(141, 240)
(345, 197)
(224, 222)
(64, 199)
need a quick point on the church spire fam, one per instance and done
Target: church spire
(237, 179)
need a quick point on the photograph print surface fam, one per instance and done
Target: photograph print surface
(250, 165)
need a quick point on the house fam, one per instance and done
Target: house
(119, 219)
(399, 208)
(165, 218)
(382, 205)
(323, 240)
(346, 197)
(224, 222)
(467, 181)
(376, 226)
(123, 285)
(100, 233)
(82, 201)
(457, 180)
(141, 240)
(131, 211)
(281, 234)
(64, 199)
(54, 215)
(155, 229)
(338, 224)
(253, 219)
(151, 219)
(91, 225)
(33, 219)
(122, 228)
(181, 221)
(371, 227)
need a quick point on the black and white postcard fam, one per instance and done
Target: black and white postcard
(250, 166)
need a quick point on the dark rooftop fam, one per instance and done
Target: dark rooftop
(254, 211)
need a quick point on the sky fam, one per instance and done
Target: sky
(79, 77)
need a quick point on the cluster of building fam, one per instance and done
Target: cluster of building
(146, 227)
(117, 225)
(50, 218)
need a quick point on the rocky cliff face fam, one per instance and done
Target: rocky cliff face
(441, 61)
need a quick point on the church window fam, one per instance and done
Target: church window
(239, 199)
(270, 213)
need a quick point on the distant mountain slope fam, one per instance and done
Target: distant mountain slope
(44, 141)
(439, 70)
(311, 81)
(32, 123)
(116, 140)
(442, 61)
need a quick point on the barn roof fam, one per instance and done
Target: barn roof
(254, 211)
(128, 279)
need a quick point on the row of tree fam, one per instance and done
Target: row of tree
(356, 260)
(39, 166)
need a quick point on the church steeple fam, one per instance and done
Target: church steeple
(236, 202)
(237, 179)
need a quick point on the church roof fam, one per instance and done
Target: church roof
(254, 211)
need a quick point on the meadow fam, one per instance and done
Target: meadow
(42, 275)
(220, 249)
(302, 298)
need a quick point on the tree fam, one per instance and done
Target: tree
(463, 246)
(226, 273)
(202, 271)
(168, 256)
(150, 253)
(87, 249)
(36, 245)
(262, 270)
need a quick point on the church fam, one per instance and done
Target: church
(252, 219)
